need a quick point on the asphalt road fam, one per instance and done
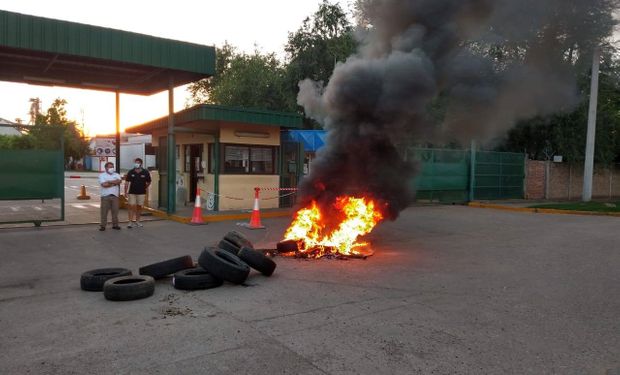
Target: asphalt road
(450, 290)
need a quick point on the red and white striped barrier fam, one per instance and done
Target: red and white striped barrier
(276, 189)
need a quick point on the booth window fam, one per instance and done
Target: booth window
(237, 159)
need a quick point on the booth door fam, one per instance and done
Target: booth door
(193, 166)
(291, 170)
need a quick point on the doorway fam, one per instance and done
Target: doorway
(194, 167)
(291, 169)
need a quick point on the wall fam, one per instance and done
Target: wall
(265, 135)
(562, 181)
(242, 186)
(535, 180)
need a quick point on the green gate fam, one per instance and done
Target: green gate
(445, 175)
(32, 186)
(499, 175)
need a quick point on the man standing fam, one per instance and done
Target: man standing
(110, 183)
(138, 180)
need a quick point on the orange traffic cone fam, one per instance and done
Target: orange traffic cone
(83, 195)
(255, 217)
(197, 215)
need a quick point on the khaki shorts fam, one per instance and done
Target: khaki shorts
(135, 199)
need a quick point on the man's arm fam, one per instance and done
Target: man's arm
(127, 183)
(103, 182)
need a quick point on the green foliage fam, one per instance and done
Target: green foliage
(14, 142)
(262, 81)
(47, 132)
(54, 124)
(323, 39)
(249, 80)
(201, 91)
(565, 134)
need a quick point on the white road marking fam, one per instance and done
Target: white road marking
(37, 208)
(79, 206)
(96, 205)
(15, 209)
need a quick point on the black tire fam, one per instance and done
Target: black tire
(287, 246)
(195, 278)
(228, 246)
(167, 267)
(238, 239)
(93, 280)
(258, 261)
(224, 265)
(129, 288)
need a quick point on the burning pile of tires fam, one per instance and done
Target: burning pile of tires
(229, 261)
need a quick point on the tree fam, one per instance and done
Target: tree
(200, 91)
(53, 125)
(254, 80)
(565, 134)
(323, 39)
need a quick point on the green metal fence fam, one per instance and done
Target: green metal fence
(29, 179)
(499, 175)
(445, 175)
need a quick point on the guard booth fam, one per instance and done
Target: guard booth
(225, 152)
(43, 51)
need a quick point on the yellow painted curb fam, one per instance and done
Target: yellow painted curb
(216, 218)
(541, 210)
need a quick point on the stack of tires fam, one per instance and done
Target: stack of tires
(229, 261)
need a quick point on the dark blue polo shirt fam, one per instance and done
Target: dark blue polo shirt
(138, 181)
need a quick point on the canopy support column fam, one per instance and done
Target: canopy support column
(118, 132)
(172, 151)
(216, 172)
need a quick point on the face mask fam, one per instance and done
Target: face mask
(137, 165)
(110, 170)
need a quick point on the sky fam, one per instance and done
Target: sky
(243, 23)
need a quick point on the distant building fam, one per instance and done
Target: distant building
(9, 128)
(103, 150)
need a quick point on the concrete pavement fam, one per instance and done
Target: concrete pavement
(450, 290)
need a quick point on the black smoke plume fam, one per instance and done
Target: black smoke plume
(416, 50)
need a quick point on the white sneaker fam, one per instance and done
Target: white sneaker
(138, 224)
(130, 225)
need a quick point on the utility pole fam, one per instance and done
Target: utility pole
(588, 166)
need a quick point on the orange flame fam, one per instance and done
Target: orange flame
(309, 229)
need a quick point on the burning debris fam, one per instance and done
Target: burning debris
(313, 234)
(377, 102)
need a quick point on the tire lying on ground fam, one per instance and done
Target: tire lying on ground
(224, 265)
(93, 280)
(167, 267)
(195, 278)
(257, 260)
(228, 246)
(128, 288)
(238, 239)
(287, 246)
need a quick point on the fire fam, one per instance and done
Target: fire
(355, 217)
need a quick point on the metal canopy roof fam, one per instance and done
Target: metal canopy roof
(217, 113)
(52, 52)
